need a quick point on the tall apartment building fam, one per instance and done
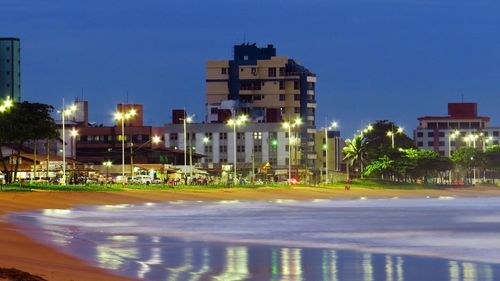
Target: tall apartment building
(266, 87)
(10, 69)
(435, 132)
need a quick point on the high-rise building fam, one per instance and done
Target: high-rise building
(10, 69)
(266, 87)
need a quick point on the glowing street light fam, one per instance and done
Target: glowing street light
(107, 164)
(391, 134)
(332, 126)
(289, 126)
(6, 104)
(236, 122)
(187, 119)
(65, 112)
(122, 116)
(154, 140)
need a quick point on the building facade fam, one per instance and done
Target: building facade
(10, 69)
(437, 132)
(331, 145)
(257, 144)
(266, 87)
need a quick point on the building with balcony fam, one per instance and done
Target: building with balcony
(266, 87)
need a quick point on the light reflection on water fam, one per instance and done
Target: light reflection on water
(140, 242)
(196, 261)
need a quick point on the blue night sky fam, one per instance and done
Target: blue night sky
(375, 59)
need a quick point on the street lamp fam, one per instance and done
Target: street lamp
(185, 121)
(288, 125)
(6, 104)
(122, 116)
(154, 140)
(107, 164)
(65, 111)
(451, 136)
(391, 134)
(73, 134)
(332, 126)
(486, 140)
(236, 122)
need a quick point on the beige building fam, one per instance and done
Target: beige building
(266, 87)
(333, 149)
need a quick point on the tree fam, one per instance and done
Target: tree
(466, 158)
(25, 121)
(378, 143)
(380, 167)
(354, 152)
(492, 161)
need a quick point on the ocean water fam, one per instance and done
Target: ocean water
(394, 239)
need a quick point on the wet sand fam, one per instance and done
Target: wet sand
(21, 252)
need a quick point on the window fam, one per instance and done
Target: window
(431, 143)
(296, 110)
(223, 149)
(420, 135)
(240, 148)
(258, 97)
(296, 84)
(282, 97)
(282, 71)
(430, 134)
(240, 136)
(271, 72)
(223, 136)
(420, 144)
(250, 85)
(287, 147)
(208, 149)
(208, 135)
(257, 148)
(174, 136)
(282, 85)
(273, 161)
(223, 70)
(495, 133)
(245, 57)
(254, 71)
(223, 160)
(441, 134)
(257, 135)
(441, 143)
(296, 97)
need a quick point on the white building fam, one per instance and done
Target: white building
(437, 132)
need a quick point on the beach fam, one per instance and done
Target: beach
(21, 252)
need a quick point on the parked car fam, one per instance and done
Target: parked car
(141, 179)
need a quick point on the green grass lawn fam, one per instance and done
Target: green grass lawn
(367, 184)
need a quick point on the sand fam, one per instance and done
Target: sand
(20, 252)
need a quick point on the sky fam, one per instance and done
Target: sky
(374, 59)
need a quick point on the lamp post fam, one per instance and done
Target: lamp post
(288, 125)
(154, 140)
(185, 121)
(74, 134)
(391, 134)
(122, 116)
(451, 136)
(107, 164)
(333, 125)
(235, 122)
(65, 112)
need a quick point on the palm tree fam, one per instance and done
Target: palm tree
(354, 151)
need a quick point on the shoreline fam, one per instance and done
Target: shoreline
(24, 253)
